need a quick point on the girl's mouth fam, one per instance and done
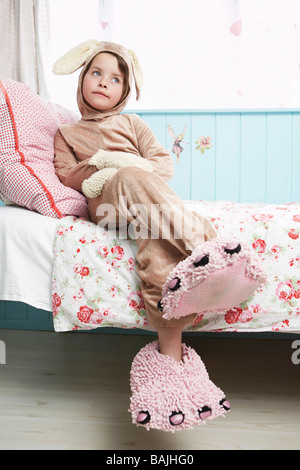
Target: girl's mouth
(100, 93)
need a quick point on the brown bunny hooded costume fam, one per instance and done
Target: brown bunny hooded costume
(108, 130)
(111, 156)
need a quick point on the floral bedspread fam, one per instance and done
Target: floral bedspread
(95, 283)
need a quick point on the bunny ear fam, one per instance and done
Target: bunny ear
(75, 58)
(137, 72)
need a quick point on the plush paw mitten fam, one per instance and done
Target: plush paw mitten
(92, 186)
(170, 395)
(108, 163)
(217, 276)
(106, 159)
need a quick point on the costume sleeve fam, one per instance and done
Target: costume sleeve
(69, 170)
(152, 150)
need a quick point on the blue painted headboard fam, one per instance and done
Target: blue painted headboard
(254, 156)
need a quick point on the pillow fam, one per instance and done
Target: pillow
(28, 125)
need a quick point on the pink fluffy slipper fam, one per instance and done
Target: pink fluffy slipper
(217, 276)
(170, 395)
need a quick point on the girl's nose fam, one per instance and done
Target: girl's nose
(102, 83)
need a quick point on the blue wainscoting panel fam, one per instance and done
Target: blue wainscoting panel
(279, 158)
(203, 163)
(228, 144)
(253, 157)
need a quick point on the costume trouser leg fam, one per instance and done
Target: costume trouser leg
(167, 245)
(166, 231)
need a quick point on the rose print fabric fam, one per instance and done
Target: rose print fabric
(274, 232)
(94, 279)
(95, 283)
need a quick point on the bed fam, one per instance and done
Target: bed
(87, 278)
(84, 278)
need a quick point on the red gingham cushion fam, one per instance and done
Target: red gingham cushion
(28, 125)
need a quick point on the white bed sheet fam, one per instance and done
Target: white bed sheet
(26, 256)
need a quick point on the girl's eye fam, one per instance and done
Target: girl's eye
(116, 80)
(96, 73)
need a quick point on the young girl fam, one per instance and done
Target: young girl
(116, 161)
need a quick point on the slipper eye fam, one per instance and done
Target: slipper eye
(174, 284)
(176, 418)
(143, 417)
(232, 248)
(201, 261)
(225, 403)
(204, 413)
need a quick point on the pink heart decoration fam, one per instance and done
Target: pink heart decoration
(236, 28)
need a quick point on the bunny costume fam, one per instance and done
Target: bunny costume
(106, 155)
(115, 160)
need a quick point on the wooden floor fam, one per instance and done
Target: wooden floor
(71, 391)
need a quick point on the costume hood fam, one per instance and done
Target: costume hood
(81, 56)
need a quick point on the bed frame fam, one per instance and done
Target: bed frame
(254, 157)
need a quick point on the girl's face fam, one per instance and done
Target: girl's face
(102, 85)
